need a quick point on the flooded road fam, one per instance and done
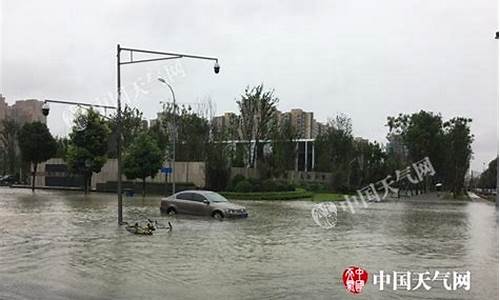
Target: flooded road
(60, 245)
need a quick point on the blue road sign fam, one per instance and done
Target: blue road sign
(166, 170)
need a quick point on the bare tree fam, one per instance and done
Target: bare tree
(257, 118)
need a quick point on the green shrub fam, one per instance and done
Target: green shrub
(256, 184)
(271, 185)
(244, 186)
(231, 186)
(314, 186)
(237, 178)
(268, 185)
(300, 194)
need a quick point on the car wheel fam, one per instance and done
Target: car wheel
(171, 211)
(218, 215)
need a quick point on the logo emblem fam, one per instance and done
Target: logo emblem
(354, 278)
(325, 214)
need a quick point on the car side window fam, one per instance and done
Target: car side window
(198, 197)
(184, 196)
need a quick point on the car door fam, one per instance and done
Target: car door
(199, 206)
(183, 201)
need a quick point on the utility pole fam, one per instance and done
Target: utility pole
(119, 136)
(119, 63)
(174, 132)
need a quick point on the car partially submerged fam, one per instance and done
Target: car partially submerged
(202, 203)
(7, 180)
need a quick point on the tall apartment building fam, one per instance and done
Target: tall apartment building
(225, 120)
(4, 107)
(22, 111)
(396, 147)
(307, 127)
(318, 129)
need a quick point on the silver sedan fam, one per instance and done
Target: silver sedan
(203, 203)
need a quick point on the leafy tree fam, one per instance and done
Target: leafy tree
(192, 129)
(447, 144)
(218, 168)
(9, 131)
(458, 141)
(160, 135)
(396, 153)
(368, 165)
(132, 125)
(257, 119)
(238, 155)
(423, 135)
(88, 145)
(488, 179)
(62, 146)
(37, 145)
(283, 154)
(336, 151)
(142, 159)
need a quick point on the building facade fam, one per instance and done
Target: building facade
(302, 121)
(22, 111)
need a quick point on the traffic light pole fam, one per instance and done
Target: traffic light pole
(119, 63)
(119, 136)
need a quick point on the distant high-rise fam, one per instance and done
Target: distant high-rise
(396, 147)
(4, 108)
(304, 123)
(225, 120)
(307, 127)
(22, 111)
(27, 111)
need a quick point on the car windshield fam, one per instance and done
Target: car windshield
(214, 197)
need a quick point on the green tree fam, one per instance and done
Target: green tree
(9, 131)
(458, 141)
(62, 147)
(142, 159)
(192, 129)
(37, 145)
(283, 153)
(218, 168)
(423, 135)
(257, 119)
(488, 179)
(88, 145)
(368, 165)
(160, 135)
(396, 153)
(132, 125)
(335, 150)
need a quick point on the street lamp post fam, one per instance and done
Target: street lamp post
(174, 133)
(119, 63)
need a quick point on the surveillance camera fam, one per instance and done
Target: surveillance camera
(45, 109)
(216, 67)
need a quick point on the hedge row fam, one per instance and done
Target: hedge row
(268, 195)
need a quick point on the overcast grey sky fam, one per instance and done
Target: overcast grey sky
(368, 59)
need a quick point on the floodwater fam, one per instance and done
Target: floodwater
(62, 245)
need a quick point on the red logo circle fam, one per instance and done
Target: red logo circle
(354, 278)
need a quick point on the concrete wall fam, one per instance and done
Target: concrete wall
(291, 176)
(300, 176)
(184, 172)
(247, 172)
